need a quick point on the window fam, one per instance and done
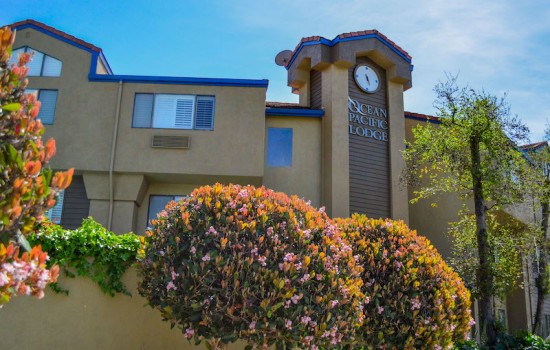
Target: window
(157, 203)
(41, 65)
(279, 147)
(54, 214)
(166, 111)
(545, 327)
(48, 100)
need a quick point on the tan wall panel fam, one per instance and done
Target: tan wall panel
(234, 147)
(304, 177)
(88, 319)
(84, 113)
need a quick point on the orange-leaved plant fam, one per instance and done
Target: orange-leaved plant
(239, 262)
(27, 186)
(413, 299)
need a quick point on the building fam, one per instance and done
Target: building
(137, 142)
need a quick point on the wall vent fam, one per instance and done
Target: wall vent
(160, 141)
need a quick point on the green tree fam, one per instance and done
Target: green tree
(472, 153)
(538, 189)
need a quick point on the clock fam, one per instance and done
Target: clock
(366, 78)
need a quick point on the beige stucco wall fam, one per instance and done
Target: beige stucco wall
(84, 113)
(304, 177)
(234, 147)
(88, 319)
(335, 149)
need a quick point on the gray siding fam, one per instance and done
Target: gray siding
(315, 82)
(76, 205)
(369, 166)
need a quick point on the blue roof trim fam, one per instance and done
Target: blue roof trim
(70, 42)
(295, 112)
(336, 40)
(258, 83)
(432, 121)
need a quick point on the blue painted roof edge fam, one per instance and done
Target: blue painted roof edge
(337, 40)
(295, 112)
(258, 83)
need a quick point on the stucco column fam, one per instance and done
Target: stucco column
(335, 141)
(129, 190)
(399, 196)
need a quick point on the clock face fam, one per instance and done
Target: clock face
(366, 78)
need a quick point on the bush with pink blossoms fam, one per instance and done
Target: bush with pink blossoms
(238, 262)
(26, 274)
(413, 300)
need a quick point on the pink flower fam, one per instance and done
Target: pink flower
(471, 322)
(304, 278)
(305, 319)
(416, 304)
(174, 275)
(189, 333)
(380, 309)
(269, 231)
(333, 303)
(206, 257)
(170, 286)
(288, 324)
(262, 259)
(295, 298)
(193, 250)
(252, 325)
(161, 253)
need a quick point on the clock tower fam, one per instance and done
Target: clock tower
(358, 79)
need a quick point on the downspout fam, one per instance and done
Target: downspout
(112, 162)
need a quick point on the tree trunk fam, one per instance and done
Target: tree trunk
(484, 273)
(541, 281)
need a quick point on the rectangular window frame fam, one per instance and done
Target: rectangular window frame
(195, 109)
(38, 92)
(175, 197)
(289, 163)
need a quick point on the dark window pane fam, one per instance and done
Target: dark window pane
(279, 147)
(156, 205)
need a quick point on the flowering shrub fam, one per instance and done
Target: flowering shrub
(233, 262)
(27, 187)
(413, 300)
(26, 275)
(91, 251)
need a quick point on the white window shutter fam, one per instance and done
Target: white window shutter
(205, 113)
(143, 110)
(185, 106)
(164, 115)
(52, 67)
(54, 214)
(48, 99)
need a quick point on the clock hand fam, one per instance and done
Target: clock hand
(367, 77)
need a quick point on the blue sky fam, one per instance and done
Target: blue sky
(500, 46)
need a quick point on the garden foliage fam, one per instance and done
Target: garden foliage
(27, 186)
(26, 274)
(90, 251)
(413, 300)
(238, 262)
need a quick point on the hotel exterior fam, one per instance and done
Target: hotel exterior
(137, 142)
